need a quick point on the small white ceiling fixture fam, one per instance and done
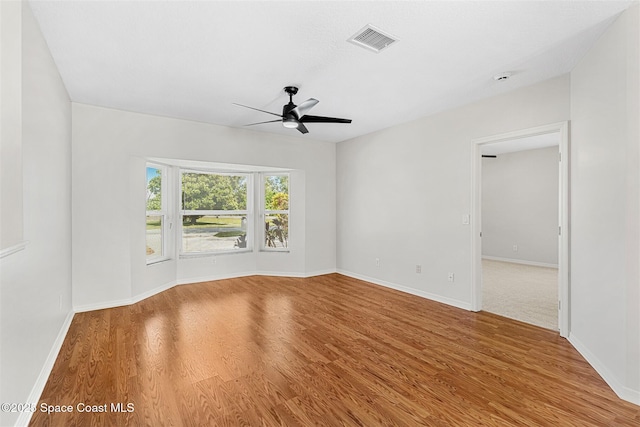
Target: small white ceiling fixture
(502, 76)
(372, 38)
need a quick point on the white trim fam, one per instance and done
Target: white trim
(190, 280)
(218, 212)
(623, 392)
(520, 261)
(433, 297)
(203, 254)
(152, 292)
(293, 274)
(45, 372)
(13, 249)
(212, 278)
(563, 210)
(102, 305)
(281, 274)
(125, 302)
(320, 272)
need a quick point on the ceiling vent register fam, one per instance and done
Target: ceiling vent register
(372, 38)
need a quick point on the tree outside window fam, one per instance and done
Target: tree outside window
(215, 212)
(156, 215)
(276, 210)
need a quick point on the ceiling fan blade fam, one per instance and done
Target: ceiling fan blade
(259, 123)
(302, 128)
(321, 119)
(303, 108)
(257, 109)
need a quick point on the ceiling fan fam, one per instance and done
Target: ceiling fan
(295, 116)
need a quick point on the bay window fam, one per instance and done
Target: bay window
(216, 212)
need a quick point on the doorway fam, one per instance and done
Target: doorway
(519, 210)
(514, 251)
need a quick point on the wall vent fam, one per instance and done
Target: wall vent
(372, 38)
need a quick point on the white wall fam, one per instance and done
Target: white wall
(109, 152)
(36, 282)
(11, 227)
(605, 189)
(520, 206)
(402, 192)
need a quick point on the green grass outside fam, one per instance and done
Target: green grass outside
(152, 224)
(208, 221)
(204, 222)
(230, 233)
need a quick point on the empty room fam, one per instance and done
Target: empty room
(289, 213)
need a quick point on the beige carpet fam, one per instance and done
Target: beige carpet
(521, 292)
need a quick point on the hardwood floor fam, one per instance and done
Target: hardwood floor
(328, 350)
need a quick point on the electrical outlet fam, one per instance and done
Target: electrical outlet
(515, 248)
(450, 277)
(418, 268)
(215, 260)
(377, 262)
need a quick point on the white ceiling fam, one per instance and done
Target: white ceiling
(193, 59)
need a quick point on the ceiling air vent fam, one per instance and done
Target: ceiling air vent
(372, 38)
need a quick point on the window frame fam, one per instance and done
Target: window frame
(163, 213)
(248, 213)
(266, 212)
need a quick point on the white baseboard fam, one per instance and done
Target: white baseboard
(152, 292)
(189, 280)
(433, 297)
(294, 274)
(623, 392)
(520, 261)
(279, 274)
(213, 277)
(101, 305)
(320, 272)
(41, 381)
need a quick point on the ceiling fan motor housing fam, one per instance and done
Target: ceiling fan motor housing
(289, 117)
(291, 90)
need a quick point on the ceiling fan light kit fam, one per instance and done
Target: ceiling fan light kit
(290, 123)
(294, 116)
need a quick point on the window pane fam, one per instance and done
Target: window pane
(276, 192)
(213, 233)
(154, 189)
(154, 236)
(214, 192)
(276, 231)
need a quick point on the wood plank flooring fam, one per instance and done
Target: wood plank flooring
(328, 350)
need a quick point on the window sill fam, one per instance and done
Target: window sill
(157, 261)
(211, 254)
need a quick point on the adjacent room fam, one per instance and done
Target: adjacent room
(319, 213)
(520, 229)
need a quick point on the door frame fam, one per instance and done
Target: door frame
(564, 302)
